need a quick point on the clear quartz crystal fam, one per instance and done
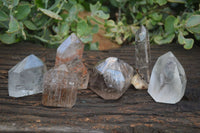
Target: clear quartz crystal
(26, 77)
(60, 87)
(142, 53)
(70, 49)
(111, 78)
(168, 80)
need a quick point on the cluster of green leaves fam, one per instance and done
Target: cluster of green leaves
(167, 20)
(50, 22)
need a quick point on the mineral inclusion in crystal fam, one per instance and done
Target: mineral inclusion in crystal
(26, 77)
(70, 53)
(60, 87)
(111, 78)
(70, 49)
(168, 80)
(142, 53)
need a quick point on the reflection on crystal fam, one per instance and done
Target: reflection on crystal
(60, 87)
(26, 77)
(142, 53)
(168, 80)
(111, 78)
(70, 49)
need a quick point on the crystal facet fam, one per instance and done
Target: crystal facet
(111, 78)
(142, 53)
(70, 53)
(168, 80)
(70, 49)
(26, 77)
(60, 87)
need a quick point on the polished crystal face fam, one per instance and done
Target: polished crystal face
(111, 78)
(70, 49)
(60, 87)
(168, 80)
(26, 77)
(142, 53)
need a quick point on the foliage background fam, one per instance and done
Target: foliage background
(51, 22)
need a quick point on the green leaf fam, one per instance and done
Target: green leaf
(8, 38)
(95, 29)
(51, 14)
(155, 16)
(22, 11)
(30, 25)
(197, 36)
(3, 16)
(86, 39)
(13, 25)
(64, 29)
(193, 24)
(169, 24)
(110, 23)
(177, 1)
(164, 40)
(94, 8)
(83, 28)
(10, 3)
(101, 14)
(94, 46)
(96, 12)
(187, 42)
(161, 2)
(39, 3)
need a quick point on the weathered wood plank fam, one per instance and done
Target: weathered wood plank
(135, 111)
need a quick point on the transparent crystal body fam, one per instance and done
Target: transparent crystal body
(70, 49)
(111, 78)
(142, 53)
(26, 77)
(168, 80)
(60, 87)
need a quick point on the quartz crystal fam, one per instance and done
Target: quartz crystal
(111, 78)
(26, 77)
(60, 87)
(138, 82)
(70, 49)
(168, 80)
(142, 53)
(79, 68)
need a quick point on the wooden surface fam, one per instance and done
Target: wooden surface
(135, 111)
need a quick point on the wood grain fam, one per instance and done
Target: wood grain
(135, 111)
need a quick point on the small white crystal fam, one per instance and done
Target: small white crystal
(168, 80)
(138, 82)
(26, 77)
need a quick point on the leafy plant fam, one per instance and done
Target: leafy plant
(163, 18)
(50, 22)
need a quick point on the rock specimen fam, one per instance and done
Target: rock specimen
(142, 53)
(138, 82)
(60, 87)
(168, 80)
(26, 77)
(70, 49)
(111, 78)
(70, 53)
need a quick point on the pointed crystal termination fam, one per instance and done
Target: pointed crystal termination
(142, 53)
(168, 80)
(111, 78)
(60, 87)
(70, 53)
(26, 77)
(70, 49)
(79, 68)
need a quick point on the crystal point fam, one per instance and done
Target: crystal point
(142, 53)
(60, 87)
(70, 49)
(111, 78)
(168, 80)
(26, 77)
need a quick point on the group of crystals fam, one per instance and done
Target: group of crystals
(109, 78)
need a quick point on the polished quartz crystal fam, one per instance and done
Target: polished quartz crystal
(168, 80)
(26, 77)
(70, 49)
(110, 78)
(142, 53)
(60, 87)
